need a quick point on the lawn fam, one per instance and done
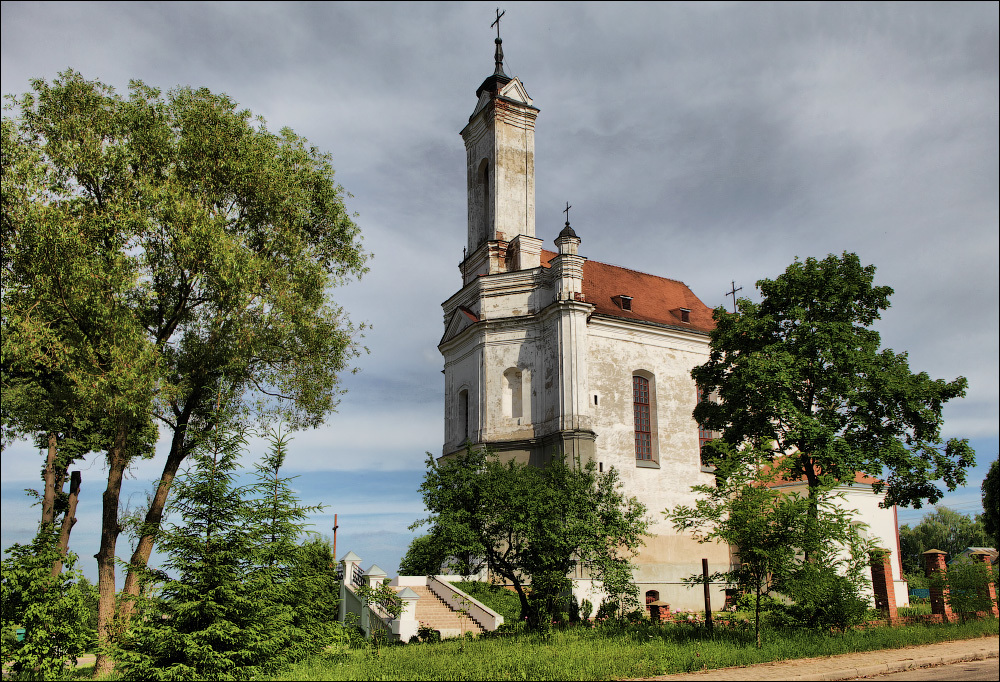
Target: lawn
(640, 650)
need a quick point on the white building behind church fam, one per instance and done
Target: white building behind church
(553, 352)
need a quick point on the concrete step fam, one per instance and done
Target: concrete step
(438, 615)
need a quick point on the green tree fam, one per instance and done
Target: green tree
(50, 608)
(768, 529)
(944, 529)
(425, 556)
(534, 523)
(991, 503)
(300, 577)
(159, 252)
(801, 374)
(218, 619)
(312, 592)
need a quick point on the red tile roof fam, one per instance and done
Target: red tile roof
(654, 299)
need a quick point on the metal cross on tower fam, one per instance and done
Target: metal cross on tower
(566, 211)
(498, 54)
(497, 22)
(732, 292)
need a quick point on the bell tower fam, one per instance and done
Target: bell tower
(500, 155)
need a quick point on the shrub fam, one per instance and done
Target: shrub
(966, 583)
(824, 599)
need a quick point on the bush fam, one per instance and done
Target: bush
(966, 583)
(823, 599)
(51, 610)
(500, 599)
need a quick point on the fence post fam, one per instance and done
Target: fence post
(347, 565)
(882, 586)
(935, 567)
(406, 625)
(708, 595)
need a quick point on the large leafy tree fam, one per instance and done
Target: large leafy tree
(991, 503)
(534, 523)
(159, 254)
(944, 529)
(802, 375)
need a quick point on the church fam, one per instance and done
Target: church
(549, 351)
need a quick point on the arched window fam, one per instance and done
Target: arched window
(484, 178)
(651, 596)
(463, 415)
(512, 401)
(643, 423)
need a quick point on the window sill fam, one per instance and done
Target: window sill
(707, 469)
(646, 464)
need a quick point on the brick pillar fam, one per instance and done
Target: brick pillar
(984, 557)
(934, 566)
(882, 585)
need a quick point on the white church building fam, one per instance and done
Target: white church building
(550, 351)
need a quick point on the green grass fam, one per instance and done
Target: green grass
(914, 610)
(612, 652)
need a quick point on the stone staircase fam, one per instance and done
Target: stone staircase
(435, 613)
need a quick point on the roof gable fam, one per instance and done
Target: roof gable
(461, 319)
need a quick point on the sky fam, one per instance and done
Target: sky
(706, 142)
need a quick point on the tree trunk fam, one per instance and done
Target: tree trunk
(151, 524)
(69, 520)
(49, 477)
(110, 529)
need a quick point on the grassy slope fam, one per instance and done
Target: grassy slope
(638, 651)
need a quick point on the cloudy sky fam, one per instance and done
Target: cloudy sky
(710, 142)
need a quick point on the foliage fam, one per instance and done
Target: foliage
(423, 557)
(51, 610)
(383, 596)
(427, 635)
(312, 593)
(433, 554)
(618, 652)
(302, 578)
(586, 608)
(966, 583)
(991, 503)
(822, 598)
(944, 529)
(246, 599)
(500, 599)
(774, 532)
(535, 523)
(802, 375)
(158, 252)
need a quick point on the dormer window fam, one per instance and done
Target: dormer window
(685, 315)
(626, 302)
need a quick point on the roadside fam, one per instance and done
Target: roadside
(851, 666)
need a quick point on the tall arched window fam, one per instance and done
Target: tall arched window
(484, 178)
(463, 415)
(643, 423)
(512, 401)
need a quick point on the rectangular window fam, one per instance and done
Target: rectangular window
(640, 408)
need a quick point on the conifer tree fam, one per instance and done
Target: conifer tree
(218, 619)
